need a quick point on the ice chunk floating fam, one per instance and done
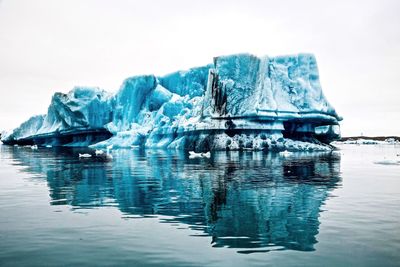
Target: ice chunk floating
(238, 102)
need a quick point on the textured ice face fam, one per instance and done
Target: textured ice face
(240, 102)
(192, 82)
(83, 107)
(28, 128)
(129, 100)
(245, 85)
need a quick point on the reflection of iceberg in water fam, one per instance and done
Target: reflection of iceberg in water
(242, 200)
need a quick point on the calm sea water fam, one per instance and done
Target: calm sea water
(160, 208)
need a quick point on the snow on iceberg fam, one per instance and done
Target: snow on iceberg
(238, 102)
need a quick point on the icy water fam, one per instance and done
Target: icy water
(159, 208)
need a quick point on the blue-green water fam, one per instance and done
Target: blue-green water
(160, 208)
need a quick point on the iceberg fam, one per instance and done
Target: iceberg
(239, 102)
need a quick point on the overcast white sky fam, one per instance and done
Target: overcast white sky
(48, 46)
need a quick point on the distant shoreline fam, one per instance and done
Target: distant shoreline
(377, 138)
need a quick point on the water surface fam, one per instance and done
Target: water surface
(151, 208)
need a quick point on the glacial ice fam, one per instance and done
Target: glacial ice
(239, 102)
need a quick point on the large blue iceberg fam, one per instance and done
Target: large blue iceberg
(238, 102)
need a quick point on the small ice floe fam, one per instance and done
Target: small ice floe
(135, 146)
(34, 147)
(285, 153)
(108, 155)
(16, 145)
(103, 155)
(99, 152)
(206, 155)
(85, 155)
(49, 146)
(194, 155)
(388, 162)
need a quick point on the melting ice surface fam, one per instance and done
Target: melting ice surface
(238, 102)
